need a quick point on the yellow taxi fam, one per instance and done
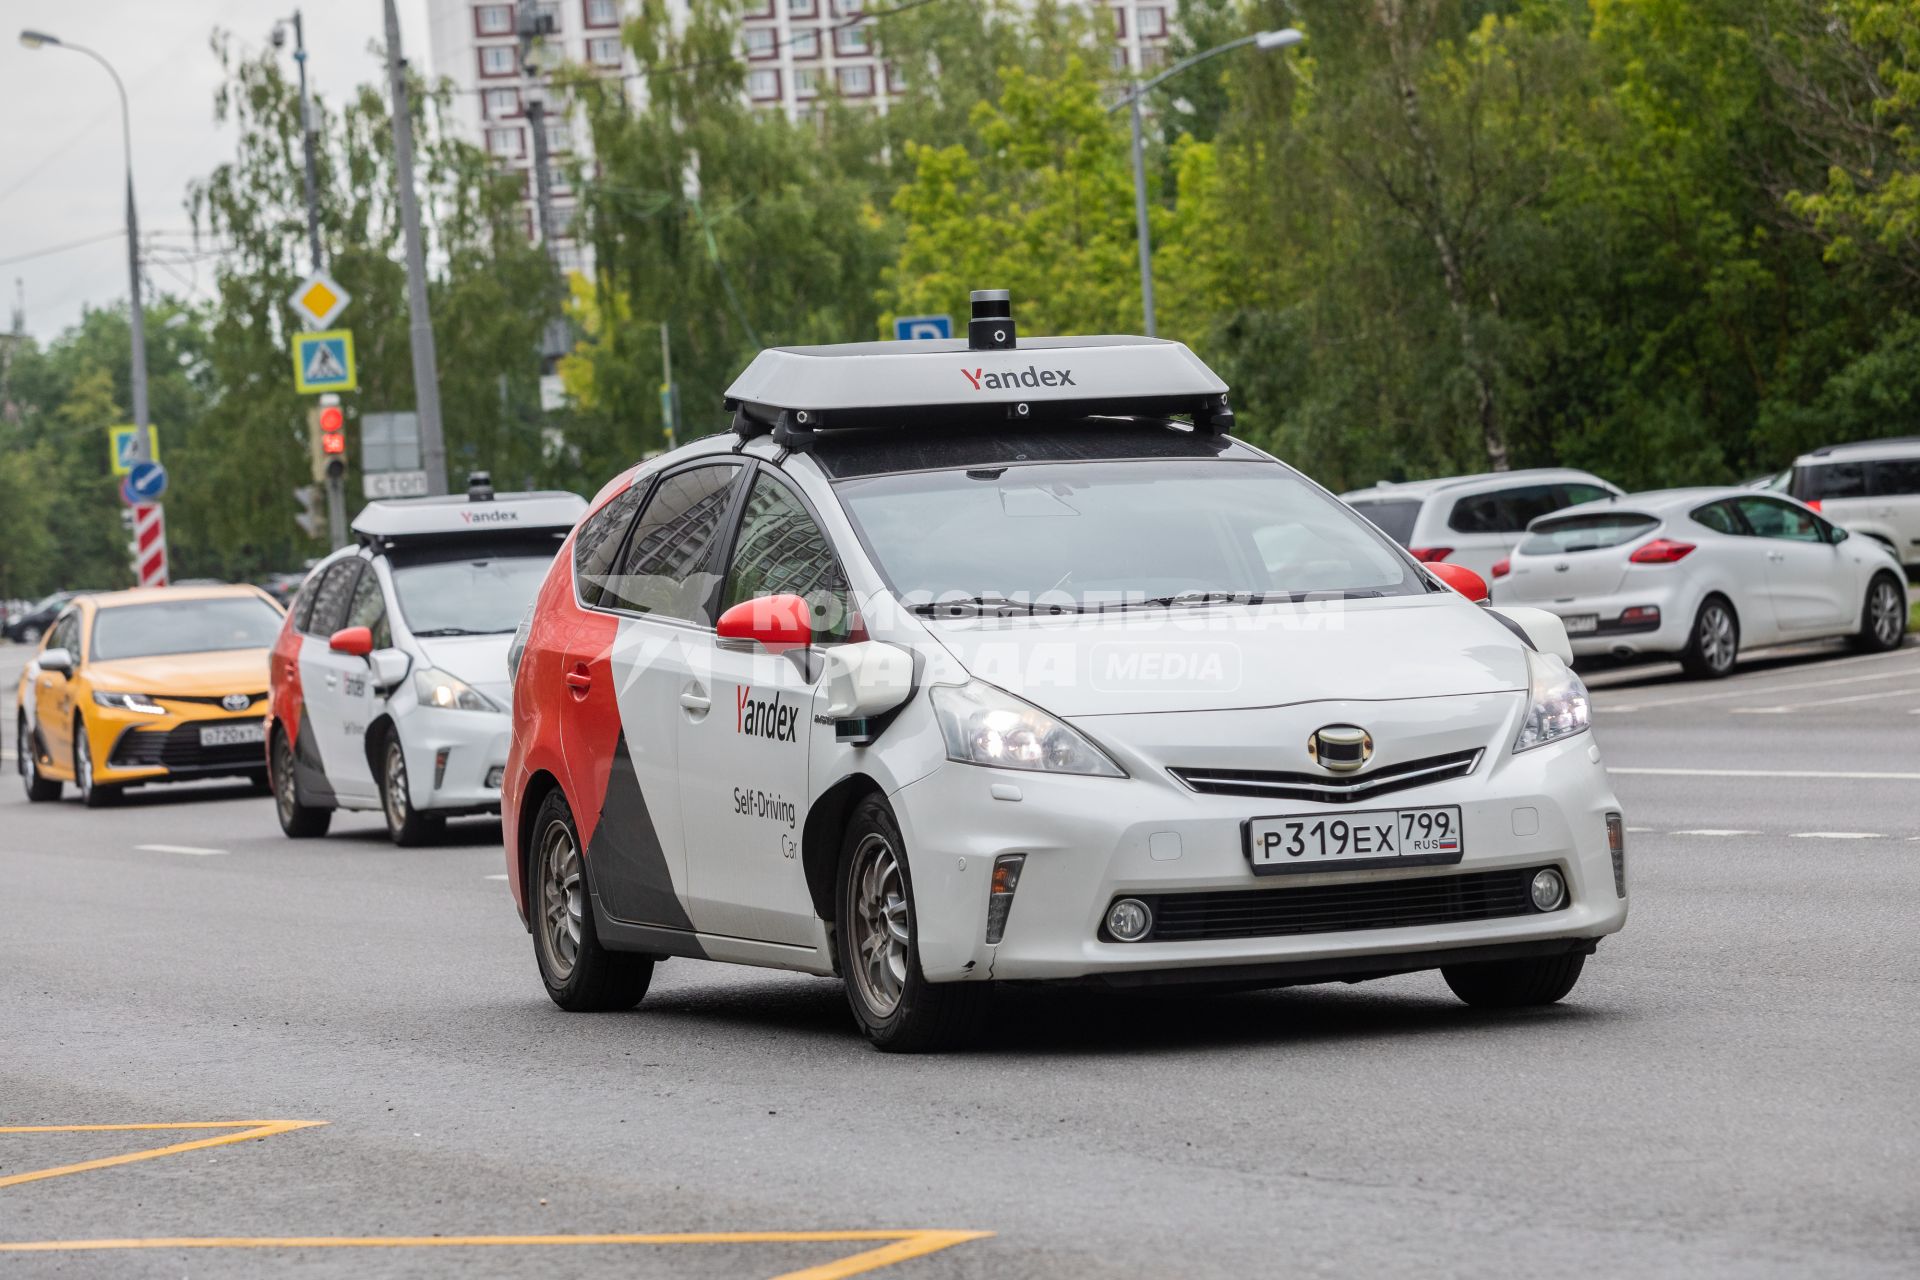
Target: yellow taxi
(158, 685)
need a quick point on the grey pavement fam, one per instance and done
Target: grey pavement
(1731, 1090)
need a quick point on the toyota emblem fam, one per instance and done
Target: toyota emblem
(236, 701)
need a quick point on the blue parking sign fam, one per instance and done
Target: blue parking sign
(910, 328)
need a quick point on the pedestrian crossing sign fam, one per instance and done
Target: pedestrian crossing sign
(323, 362)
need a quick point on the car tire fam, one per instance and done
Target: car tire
(876, 941)
(580, 975)
(1515, 984)
(29, 634)
(407, 826)
(94, 795)
(299, 821)
(1713, 646)
(39, 789)
(1883, 616)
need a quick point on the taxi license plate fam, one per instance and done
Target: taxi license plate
(1371, 837)
(1581, 623)
(229, 735)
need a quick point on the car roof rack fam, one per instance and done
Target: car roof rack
(794, 393)
(478, 511)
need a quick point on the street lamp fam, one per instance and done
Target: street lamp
(1265, 41)
(136, 317)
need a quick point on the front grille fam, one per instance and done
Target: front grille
(209, 700)
(1339, 908)
(179, 748)
(1268, 784)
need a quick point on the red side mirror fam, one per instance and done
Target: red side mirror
(776, 623)
(357, 641)
(1461, 579)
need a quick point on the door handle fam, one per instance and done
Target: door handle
(695, 699)
(1776, 555)
(579, 680)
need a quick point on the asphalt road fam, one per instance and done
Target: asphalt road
(1730, 1091)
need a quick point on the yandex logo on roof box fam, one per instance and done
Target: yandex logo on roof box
(1028, 377)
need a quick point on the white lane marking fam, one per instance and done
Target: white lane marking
(1771, 773)
(1716, 831)
(191, 850)
(1819, 702)
(1740, 686)
(501, 876)
(1836, 835)
(1631, 830)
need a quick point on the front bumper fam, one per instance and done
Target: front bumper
(131, 747)
(1090, 840)
(452, 756)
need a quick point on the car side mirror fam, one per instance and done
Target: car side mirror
(775, 623)
(1461, 579)
(58, 660)
(1545, 630)
(357, 641)
(864, 679)
(389, 668)
(1837, 534)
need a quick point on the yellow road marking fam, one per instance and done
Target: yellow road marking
(895, 1247)
(247, 1131)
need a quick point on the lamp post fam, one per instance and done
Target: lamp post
(1265, 41)
(136, 316)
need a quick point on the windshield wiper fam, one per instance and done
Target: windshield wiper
(986, 604)
(433, 633)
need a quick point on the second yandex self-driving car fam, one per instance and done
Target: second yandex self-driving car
(965, 662)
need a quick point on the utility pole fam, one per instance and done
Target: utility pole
(669, 399)
(336, 479)
(426, 373)
(535, 22)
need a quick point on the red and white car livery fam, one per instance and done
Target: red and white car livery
(389, 677)
(968, 661)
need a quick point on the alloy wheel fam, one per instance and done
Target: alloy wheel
(1883, 611)
(563, 901)
(395, 791)
(82, 760)
(879, 924)
(284, 794)
(1716, 637)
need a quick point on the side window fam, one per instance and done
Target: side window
(781, 550)
(1476, 515)
(598, 541)
(331, 596)
(303, 603)
(1507, 511)
(1770, 519)
(1836, 480)
(369, 609)
(1529, 503)
(66, 633)
(1896, 477)
(1574, 494)
(667, 566)
(1717, 517)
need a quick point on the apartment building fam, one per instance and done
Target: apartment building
(796, 53)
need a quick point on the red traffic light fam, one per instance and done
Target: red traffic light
(333, 442)
(332, 420)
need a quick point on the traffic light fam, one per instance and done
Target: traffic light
(327, 432)
(312, 520)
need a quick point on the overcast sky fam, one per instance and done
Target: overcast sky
(61, 173)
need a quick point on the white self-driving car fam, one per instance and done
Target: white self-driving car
(1706, 574)
(967, 662)
(389, 677)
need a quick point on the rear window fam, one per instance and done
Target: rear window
(1586, 533)
(1395, 519)
(1825, 480)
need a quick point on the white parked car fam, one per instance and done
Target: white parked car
(1870, 488)
(389, 678)
(961, 662)
(1472, 520)
(1703, 574)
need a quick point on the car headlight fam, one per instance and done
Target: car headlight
(1557, 705)
(438, 689)
(129, 702)
(984, 725)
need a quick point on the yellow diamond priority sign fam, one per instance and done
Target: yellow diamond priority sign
(319, 299)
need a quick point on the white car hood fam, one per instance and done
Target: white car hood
(1222, 658)
(481, 661)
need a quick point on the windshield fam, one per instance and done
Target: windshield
(1395, 519)
(1585, 533)
(184, 626)
(468, 597)
(1093, 535)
